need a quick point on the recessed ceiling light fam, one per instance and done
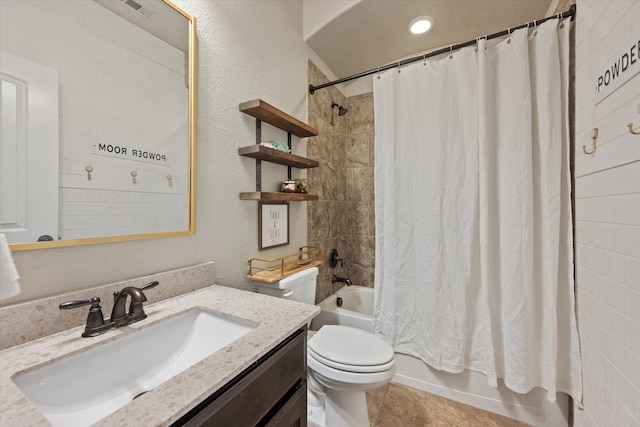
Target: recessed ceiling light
(421, 24)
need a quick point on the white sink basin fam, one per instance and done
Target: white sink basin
(81, 389)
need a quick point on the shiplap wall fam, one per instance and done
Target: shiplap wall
(607, 213)
(101, 61)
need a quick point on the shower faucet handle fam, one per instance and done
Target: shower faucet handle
(334, 259)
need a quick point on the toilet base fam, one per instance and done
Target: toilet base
(341, 409)
(327, 407)
(346, 409)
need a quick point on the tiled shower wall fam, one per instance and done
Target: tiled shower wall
(342, 218)
(327, 219)
(360, 194)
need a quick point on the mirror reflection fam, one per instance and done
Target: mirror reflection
(96, 121)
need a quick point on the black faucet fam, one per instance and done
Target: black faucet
(119, 316)
(96, 324)
(136, 313)
(335, 279)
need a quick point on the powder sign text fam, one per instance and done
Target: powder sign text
(619, 70)
(123, 152)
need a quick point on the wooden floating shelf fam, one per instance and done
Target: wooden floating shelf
(260, 152)
(268, 113)
(284, 197)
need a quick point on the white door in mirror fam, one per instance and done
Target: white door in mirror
(29, 150)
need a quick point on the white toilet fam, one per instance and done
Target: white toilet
(343, 362)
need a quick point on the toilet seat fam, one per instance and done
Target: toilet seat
(345, 380)
(350, 349)
(357, 369)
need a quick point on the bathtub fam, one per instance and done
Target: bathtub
(356, 310)
(468, 387)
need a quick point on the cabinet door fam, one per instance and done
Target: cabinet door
(294, 411)
(254, 396)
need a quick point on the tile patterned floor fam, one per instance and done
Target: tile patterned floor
(396, 405)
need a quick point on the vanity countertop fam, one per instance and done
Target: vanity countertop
(277, 319)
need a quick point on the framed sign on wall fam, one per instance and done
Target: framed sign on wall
(273, 224)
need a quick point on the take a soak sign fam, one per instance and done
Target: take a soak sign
(618, 70)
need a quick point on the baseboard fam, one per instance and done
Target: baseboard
(471, 388)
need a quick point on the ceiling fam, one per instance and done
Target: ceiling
(371, 33)
(162, 20)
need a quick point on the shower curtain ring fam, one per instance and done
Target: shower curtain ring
(451, 52)
(378, 73)
(594, 136)
(399, 70)
(535, 28)
(424, 58)
(508, 35)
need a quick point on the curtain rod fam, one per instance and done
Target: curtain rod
(568, 14)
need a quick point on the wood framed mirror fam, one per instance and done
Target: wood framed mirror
(97, 121)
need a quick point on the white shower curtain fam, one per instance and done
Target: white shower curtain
(474, 265)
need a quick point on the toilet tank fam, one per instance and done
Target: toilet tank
(300, 286)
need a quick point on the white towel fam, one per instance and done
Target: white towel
(9, 285)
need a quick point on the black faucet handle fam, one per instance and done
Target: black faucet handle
(150, 285)
(81, 303)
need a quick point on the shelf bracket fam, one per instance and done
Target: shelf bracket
(258, 162)
(289, 143)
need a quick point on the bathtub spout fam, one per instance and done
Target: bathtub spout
(346, 281)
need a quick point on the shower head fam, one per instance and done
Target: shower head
(341, 110)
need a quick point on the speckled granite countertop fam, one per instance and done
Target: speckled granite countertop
(277, 319)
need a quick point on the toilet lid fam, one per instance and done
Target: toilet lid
(345, 345)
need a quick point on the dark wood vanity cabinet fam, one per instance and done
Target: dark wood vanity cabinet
(271, 392)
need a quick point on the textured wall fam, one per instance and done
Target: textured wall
(246, 50)
(564, 5)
